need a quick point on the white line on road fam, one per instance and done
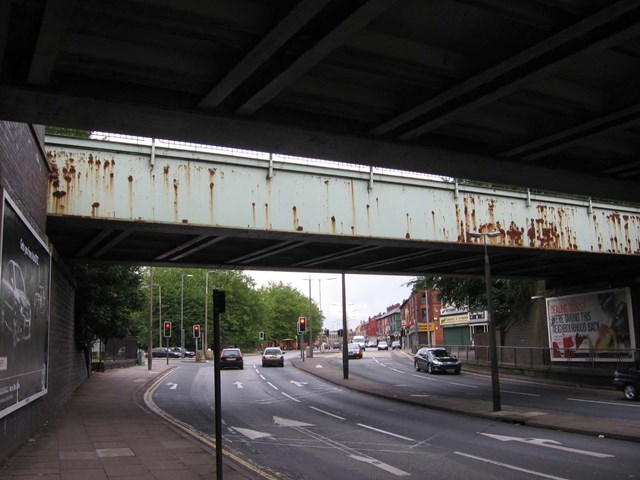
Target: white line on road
(520, 393)
(385, 432)
(512, 467)
(462, 385)
(630, 404)
(290, 397)
(272, 386)
(396, 370)
(327, 413)
(262, 377)
(381, 465)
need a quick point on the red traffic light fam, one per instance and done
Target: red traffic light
(196, 331)
(167, 329)
(302, 324)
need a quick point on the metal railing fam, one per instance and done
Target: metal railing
(537, 358)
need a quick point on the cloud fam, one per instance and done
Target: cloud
(366, 295)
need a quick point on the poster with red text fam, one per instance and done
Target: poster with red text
(592, 326)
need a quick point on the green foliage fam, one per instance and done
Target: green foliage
(282, 306)
(106, 296)
(67, 132)
(510, 298)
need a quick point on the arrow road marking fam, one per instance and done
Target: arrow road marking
(543, 442)
(238, 384)
(299, 384)
(172, 386)
(286, 422)
(252, 434)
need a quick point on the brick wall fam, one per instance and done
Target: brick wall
(24, 174)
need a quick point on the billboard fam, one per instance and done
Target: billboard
(591, 326)
(24, 310)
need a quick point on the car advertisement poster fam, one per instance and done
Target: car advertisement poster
(24, 312)
(592, 326)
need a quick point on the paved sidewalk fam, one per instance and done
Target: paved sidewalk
(329, 367)
(104, 433)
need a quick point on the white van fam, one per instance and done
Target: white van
(359, 339)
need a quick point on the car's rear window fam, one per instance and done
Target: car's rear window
(272, 351)
(231, 353)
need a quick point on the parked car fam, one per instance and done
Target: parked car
(627, 380)
(382, 345)
(272, 356)
(396, 344)
(354, 350)
(231, 357)
(163, 352)
(436, 359)
(372, 344)
(337, 345)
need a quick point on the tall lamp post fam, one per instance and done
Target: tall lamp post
(319, 307)
(182, 311)
(493, 352)
(206, 310)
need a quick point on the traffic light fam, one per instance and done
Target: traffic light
(261, 336)
(302, 324)
(167, 329)
(340, 333)
(196, 331)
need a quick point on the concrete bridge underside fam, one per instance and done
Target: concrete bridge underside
(134, 204)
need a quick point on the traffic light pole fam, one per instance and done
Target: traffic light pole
(218, 308)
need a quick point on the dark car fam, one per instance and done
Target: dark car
(231, 358)
(187, 353)
(354, 350)
(337, 345)
(163, 351)
(272, 356)
(628, 381)
(436, 359)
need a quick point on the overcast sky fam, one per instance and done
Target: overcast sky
(367, 295)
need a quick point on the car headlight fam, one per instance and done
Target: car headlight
(437, 362)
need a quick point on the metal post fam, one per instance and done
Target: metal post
(345, 352)
(493, 351)
(310, 323)
(160, 329)
(182, 312)
(150, 347)
(217, 392)
(205, 343)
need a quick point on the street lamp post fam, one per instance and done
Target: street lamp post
(206, 311)
(493, 352)
(182, 311)
(319, 308)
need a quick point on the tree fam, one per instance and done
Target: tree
(283, 304)
(106, 297)
(510, 298)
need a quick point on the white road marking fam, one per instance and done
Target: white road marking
(262, 377)
(238, 384)
(512, 467)
(172, 386)
(618, 404)
(385, 432)
(287, 422)
(252, 434)
(396, 370)
(299, 384)
(462, 385)
(327, 413)
(381, 465)
(290, 397)
(272, 386)
(520, 393)
(543, 442)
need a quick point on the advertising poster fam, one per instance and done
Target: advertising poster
(24, 311)
(591, 326)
